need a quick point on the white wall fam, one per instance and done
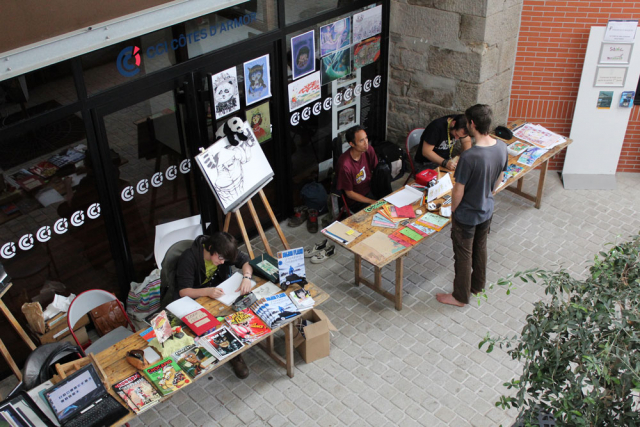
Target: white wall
(597, 134)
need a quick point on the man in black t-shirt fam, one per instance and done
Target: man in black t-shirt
(438, 140)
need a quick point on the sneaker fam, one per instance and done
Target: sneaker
(299, 217)
(239, 367)
(308, 253)
(324, 255)
(312, 221)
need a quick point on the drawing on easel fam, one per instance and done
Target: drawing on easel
(235, 173)
(225, 92)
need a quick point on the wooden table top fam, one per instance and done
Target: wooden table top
(112, 360)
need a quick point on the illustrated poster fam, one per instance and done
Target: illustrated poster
(366, 52)
(335, 36)
(257, 80)
(336, 65)
(304, 91)
(235, 172)
(260, 120)
(291, 266)
(226, 98)
(303, 54)
(367, 24)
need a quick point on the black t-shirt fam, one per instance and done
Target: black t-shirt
(435, 134)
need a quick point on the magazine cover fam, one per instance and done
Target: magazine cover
(274, 310)
(291, 267)
(166, 376)
(223, 342)
(247, 326)
(137, 392)
(194, 360)
(302, 299)
(162, 327)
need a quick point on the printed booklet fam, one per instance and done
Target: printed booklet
(194, 360)
(247, 326)
(166, 376)
(137, 392)
(291, 267)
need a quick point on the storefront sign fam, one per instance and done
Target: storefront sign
(128, 61)
(337, 99)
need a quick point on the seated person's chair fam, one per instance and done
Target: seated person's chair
(339, 206)
(87, 301)
(413, 139)
(168, 272)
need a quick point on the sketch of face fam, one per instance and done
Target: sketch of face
(256, 119)
(303, 60)
(224, 92)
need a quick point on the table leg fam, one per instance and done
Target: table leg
(519, 185)
(357, 268)
(543, 177)
(399, 274)
(288, 348)
(377, 277)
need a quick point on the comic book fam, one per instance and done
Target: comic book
(137, 392)
(194, 360)
(221, 342)
(275, 310)
(166, 376)
(161, 327)
(247, 326)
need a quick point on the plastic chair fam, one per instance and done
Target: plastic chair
(413, 139)
(168, 272)
(84, 303)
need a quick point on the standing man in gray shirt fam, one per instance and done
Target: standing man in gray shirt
(478, 173)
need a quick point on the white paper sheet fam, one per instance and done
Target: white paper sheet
(266, 290)
(407, 196)
(444, 184)
(183, 306)
(445, 211)
(229, 287)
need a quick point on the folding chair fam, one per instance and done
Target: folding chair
(84, 303)
(413, 139)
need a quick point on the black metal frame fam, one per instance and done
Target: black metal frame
(186, 77)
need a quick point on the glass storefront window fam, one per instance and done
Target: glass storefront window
(36, 93)
(231, 25)
(155, 185)
(300, 10)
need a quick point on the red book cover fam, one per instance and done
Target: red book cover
(405, 211)
(200, 321)
(396, 236)
(247, 326)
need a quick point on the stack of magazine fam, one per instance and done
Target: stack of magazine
(275, 310)
(221, 343)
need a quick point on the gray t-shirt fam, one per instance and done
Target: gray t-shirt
(478, 170)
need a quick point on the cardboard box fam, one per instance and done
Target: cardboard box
(60, 330)
(315, 344)
(81, 334)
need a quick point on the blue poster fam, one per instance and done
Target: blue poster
(303, 54)
(335, 36)
(257, 80)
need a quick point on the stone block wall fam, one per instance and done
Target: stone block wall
(446, 55)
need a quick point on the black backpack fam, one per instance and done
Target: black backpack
(393, 156)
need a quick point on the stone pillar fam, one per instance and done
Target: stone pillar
(447, 55)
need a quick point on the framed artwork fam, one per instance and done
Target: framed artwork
(367, 24)
(226, 98)
(335, 65)
(610, 76)
(335, 36)
(304, 91)
(303, 54)
(257, 80)
(366, 52)
(259, 118)
(615, 53)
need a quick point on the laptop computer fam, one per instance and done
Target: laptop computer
(82, 400)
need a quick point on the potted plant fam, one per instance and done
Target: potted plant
(581, 346)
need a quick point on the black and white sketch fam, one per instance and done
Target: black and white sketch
(367, 24)
(226, 99)
(235, 172)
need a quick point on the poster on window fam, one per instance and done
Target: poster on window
(335, 36)
(304, 91)
(226, 99)
(259, 119)
(346, 118)
(366, 52)
(257, 81)
(336, 65)
(303, 54)
(367, 24)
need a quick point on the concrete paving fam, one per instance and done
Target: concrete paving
(421, 365)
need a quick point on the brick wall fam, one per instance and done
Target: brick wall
(551, 46)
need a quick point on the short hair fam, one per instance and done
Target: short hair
(350, 136)
(223, 244)
(461, 122)
(481, 116)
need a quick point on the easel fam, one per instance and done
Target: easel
(19, 330)
(256, 220)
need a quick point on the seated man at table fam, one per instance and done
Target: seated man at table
(358, 176)
(442, 140)
(204, 266)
